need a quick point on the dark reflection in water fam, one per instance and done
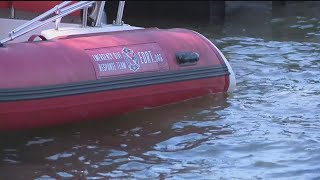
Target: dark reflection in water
(268, 128)
(109, 147)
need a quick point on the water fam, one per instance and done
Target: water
(269, 128)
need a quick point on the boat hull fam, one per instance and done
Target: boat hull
(85, 77)
(68, 109)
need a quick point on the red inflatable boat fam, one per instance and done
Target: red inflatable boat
(93, 72)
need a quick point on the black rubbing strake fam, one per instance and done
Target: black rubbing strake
(114, 83)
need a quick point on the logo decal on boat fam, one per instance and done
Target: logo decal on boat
(127, 59)
(131, 59)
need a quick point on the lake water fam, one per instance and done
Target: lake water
(269, 128)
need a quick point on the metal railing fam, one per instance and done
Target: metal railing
(39, 18)
(118, 21)
(12, 10)
(99, 16)
(62, 10)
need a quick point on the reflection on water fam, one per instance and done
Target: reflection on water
(268, 128)
(130, 143)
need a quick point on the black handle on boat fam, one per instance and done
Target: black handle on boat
(33, 37)
(187, 58)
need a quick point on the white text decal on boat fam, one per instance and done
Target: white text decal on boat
(128, 59)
